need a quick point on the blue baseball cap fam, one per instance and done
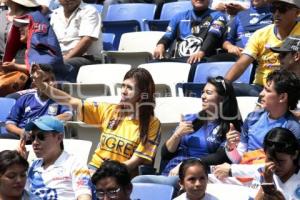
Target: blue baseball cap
(46, 123)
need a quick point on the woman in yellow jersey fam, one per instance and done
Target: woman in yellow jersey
(129, 130)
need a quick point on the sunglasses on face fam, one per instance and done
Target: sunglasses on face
(41, 136)
(112, 194)
(282, 8)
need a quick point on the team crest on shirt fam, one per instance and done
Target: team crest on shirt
(254, 20)
(52, 109)
(189, 46)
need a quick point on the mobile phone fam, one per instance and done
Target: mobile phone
(268, 188)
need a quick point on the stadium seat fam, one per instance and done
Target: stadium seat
(108, 41)
(135, 48)
(6, 105)
(151, 191)
(9, 144)
(99, 7)
(97, 80)
(164, 81)
(169, 10)
(214, 69)
(127, 17)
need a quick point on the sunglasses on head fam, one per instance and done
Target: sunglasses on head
(282, 8)
(220, 79)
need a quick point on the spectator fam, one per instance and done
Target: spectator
(55, 174)
(112, 180)
(13, 168)
(197, 32)
(78, 29)
(285, 13)
(130, 133)
(34, 31)
(289, 54)
(200, 135)
(245, 23)
(282, 165)
(33, 105)
(193, 179)
(16, 8)
(280, 95)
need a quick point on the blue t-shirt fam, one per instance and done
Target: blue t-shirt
(190, 30)
(197, 144)
(247, 22)
(30, 107)
(258, 123)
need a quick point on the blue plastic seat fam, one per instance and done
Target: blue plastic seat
(99, 7)
(127, 17)
(151, 191)
(214, 69)
(169, 10)
(108, 41)
(6, 105)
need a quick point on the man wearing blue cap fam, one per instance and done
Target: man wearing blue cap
(55, 174)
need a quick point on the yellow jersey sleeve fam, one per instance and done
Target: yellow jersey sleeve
(148, 149)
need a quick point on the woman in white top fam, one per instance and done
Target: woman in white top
(281, 173)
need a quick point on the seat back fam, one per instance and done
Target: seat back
(161, 73)
(150, 191)
(145, 41)
(108, 41)
(108, 74)
(9, 144)
(169, 10)
(6, 105)
(214, 69)
(130, 11)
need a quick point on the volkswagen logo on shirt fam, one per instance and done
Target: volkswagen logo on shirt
(189, 45)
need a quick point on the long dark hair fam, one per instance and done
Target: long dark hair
(281, 140)
(146, 103)
(228, 109)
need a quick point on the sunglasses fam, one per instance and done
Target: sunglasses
(41, 136)
(112, 194)
(282, 8)
(220, 79)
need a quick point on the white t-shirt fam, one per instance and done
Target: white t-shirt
(84, 21)
(206, 197)
(291, 188)
(66, 179)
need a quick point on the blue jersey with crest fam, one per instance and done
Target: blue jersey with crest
(29, 107)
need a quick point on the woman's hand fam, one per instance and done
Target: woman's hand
(235, 50)
(175, 170)
(222, 171)
(184, 127)
(268, 173)
(232, 138)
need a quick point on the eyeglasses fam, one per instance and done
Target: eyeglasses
(282, 8)
(112, 194)
(41, 136)
(221, 80)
